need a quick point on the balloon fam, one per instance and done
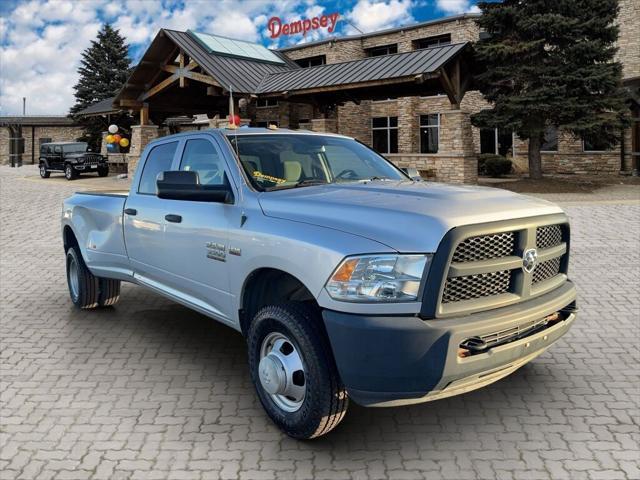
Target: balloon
(113, 129)
(116, 138)
(235, 120)
(109, 138)
(124, 142)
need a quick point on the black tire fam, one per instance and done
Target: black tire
(70, 173)
(44, 173)
(84, 291)
(325, 401)
(103, 171)
(109, 292)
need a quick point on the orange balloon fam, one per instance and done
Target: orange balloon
(116, 138)
(124, 142)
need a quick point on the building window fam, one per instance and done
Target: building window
(496, 141)
(312, 61)
(384, 99)
(382, 50)
(434, 41)
(550, 139)
(384, 134)
(266, 102)
(429, 133)
(593, 143)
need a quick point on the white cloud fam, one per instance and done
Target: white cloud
(371, 15)
(452, 7)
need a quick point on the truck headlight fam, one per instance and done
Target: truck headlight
(378, 278)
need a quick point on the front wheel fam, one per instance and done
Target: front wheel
(44, 173)
(70, 172)
(294, 372)
(103, 171)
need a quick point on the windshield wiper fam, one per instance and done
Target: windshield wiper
(302, 183)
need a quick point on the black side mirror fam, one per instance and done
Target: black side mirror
(185, 185)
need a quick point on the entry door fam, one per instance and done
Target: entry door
(196, 233)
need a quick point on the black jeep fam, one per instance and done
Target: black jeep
(72, 158)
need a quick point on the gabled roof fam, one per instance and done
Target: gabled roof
(395, 66)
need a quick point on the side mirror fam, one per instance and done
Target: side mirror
(185, 185)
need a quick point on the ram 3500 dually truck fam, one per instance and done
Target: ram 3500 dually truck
(348, 279)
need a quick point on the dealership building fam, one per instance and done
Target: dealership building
(407, 92)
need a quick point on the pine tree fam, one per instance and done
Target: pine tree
(104, 69)
(550, 63)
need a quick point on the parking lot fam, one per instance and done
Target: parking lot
(152, 390)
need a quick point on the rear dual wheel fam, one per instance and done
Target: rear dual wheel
(293, 370)
(86, 290)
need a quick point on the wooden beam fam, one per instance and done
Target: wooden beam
(159, 87)
(181, 61)
(129, 103)
(191, 65)
(449, 88)
(144, 114)
(201, 77)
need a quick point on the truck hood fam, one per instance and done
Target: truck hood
(404, 215)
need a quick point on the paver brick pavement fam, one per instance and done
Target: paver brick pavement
(151, 390)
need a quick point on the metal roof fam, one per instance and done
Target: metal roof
(36, 120)
(404, 28)
(242, 74)
(398, 65)
(100, 108)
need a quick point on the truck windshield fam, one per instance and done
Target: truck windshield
(279, 161)
(79, 147)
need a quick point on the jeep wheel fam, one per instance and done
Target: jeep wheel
(293, 370)
(83, 285)
(43, 171)
(70, 172)
(103, 171)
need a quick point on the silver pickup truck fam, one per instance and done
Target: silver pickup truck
(347, 278)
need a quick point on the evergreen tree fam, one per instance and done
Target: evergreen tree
(104, 69)
(551, 63)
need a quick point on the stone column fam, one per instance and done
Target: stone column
(408, 128)
(329, 125)
(457, 161)
(141, 135)
(103, 144)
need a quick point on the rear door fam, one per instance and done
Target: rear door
(144, 214)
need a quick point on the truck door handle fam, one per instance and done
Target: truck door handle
(130, 211)
(173, 218)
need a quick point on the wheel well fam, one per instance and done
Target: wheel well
(269, 286)
(69, 238)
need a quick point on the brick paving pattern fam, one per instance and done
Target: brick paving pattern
(152, 390)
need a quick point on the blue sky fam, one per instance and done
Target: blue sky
(41, 40)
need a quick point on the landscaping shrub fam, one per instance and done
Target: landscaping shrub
(493, 165)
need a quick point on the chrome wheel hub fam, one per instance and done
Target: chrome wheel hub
(74, 281)
(281, 372)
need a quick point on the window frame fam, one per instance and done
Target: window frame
(183, 148)
(179, 147)
(496, 143)
(557, 141)
(388, 128)
(266, 100)
(300, 61)
(420, 126)
(386, 47)
(584, 148)
(416, 43)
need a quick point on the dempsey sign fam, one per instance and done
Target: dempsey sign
(277, 28)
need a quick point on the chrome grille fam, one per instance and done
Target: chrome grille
(476, 286)
(517, 331)
(548, 236)
(92, 159)
(546, 270)
(484, 247)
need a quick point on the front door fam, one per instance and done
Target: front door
(197, 233)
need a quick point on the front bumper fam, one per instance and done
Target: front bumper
(399, 360)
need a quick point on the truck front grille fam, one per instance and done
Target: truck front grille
(92, 159)
(476, 286)
(484, 247)
(486, 268)
(546, 270)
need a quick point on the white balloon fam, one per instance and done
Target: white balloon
(113, 129)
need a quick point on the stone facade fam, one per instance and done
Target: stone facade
(629, 38)
(141, 135)
(33, 134)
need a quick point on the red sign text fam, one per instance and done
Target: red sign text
(277, 28)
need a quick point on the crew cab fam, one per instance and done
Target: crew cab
(348, 279)
(71, 158)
